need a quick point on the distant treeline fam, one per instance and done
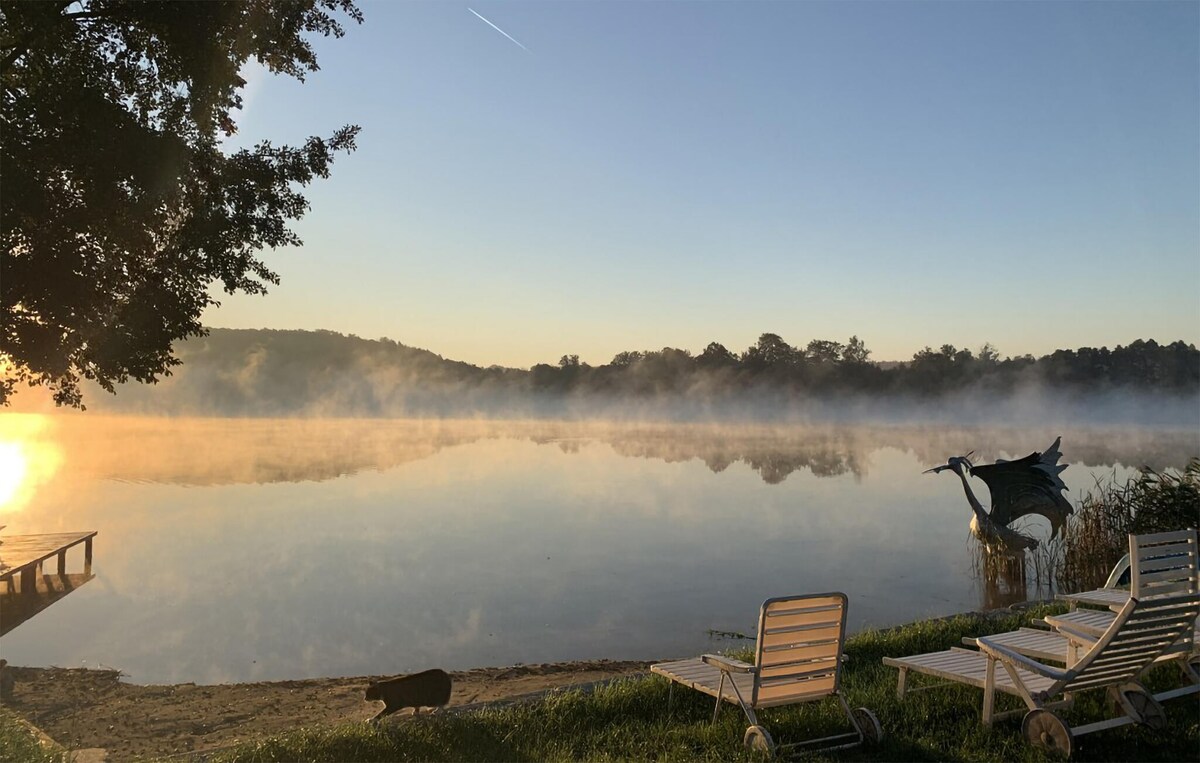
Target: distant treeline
(283, 373)
(825, 366)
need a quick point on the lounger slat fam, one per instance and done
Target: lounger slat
(963, 661)
(1175, 573)
(1113, 596)
(1167, 550)
(772, 652)
(700, 672)
(947, 660)
(1109, 672)
(1089, 619)
(1152, 628)
(792, 699)
(1104, 674)
(1158, 643)
(1175, 536)
(1165, 610)
(1161, 589)
(801, 604)
(796, 689)
(799, 638)
(1085, 685)
(1045, 645)
(811, 670)
(1168, 568)
(1119, 661)
(1186, 598)
(1184, 625)
(784, 657)
(799, 631)
(1141, 634)
(1155, 642)
(705, 678)
(690, 671)
(825, 615)
(969, 668)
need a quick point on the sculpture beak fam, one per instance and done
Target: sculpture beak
(936, 469)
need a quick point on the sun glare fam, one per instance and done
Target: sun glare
(28, 458)
(14, 465)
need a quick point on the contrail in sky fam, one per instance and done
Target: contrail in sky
(498, 29)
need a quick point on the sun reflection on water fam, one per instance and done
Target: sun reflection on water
(13, 466)
(29, 457)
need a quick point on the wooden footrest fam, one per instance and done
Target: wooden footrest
(967, 667)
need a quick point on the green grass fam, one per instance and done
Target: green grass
(18, 743)
(629, 720)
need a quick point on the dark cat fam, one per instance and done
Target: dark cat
(429, 688)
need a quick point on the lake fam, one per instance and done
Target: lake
(252, 549)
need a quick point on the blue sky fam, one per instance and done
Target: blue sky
(675, 173)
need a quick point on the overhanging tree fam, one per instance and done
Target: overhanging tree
(119, 207)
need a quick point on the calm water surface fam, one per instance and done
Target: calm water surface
(238, 550)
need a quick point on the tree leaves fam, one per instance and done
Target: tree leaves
(119, 207)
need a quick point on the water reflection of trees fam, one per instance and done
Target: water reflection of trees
(775, 453)
(247, 451)
(774, 456)
(204, 452)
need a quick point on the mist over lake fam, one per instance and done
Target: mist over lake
(256, 549)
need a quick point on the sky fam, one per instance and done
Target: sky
(636, 175)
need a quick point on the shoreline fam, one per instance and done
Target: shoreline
(92, 709)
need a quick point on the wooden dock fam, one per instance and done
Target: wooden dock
(25, 587)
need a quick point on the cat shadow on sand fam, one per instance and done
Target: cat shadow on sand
(429, 688)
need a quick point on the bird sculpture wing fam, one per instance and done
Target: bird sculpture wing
(1029, 485)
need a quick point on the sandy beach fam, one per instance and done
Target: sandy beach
(88, 709)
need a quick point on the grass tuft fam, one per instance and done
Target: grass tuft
(18, 742)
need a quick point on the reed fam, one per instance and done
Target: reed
(1096, 535)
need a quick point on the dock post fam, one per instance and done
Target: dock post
(87, 557)
(27, 598)
(62, 563)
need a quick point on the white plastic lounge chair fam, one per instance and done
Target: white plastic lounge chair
(1138, 634)
(797, 658)
(1166, 564)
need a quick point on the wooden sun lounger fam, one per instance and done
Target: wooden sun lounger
(1139, 634)
(798, 658)
(1158, 564)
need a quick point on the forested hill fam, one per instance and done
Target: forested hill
(283, 373)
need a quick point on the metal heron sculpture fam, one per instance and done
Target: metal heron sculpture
(1029, 485)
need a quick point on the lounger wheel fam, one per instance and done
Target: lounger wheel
(759, 739)
(1194, 663)
(1042, 728)
(1149, 712)
(868, 724)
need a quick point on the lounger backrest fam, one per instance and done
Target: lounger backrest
(1163, 563)
(799, 651)
(1141, 631)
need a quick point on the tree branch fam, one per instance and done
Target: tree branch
(21, 47)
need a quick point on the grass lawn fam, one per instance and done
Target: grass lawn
(629, 720)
